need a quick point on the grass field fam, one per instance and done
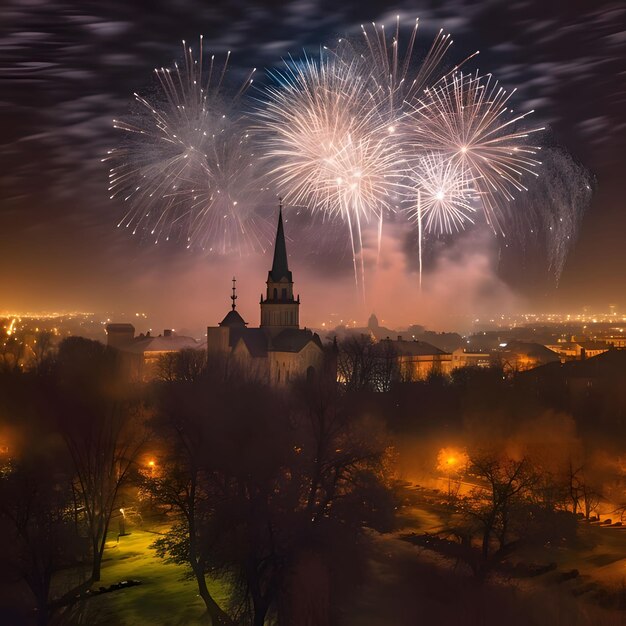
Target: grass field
(162, 599)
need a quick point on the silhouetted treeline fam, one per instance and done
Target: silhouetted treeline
(73, 428)
(276, 491)
(271, 489)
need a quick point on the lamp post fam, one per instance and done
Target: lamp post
(122, 524)
(452, 460)
(450, 463)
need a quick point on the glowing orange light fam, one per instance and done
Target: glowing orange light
(451, 460)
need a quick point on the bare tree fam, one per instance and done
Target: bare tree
(184, 484)
(584, 493)
(387, 369)
(12, 354)
(187, 364)
(39, 537)
(266, 490)
(100, 420)
(167, 366)
(356, 363)
(363, 364)
(506, 483)
(43, 347)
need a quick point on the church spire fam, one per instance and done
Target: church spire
(279, 309)
(280, 267)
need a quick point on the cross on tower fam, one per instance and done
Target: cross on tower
(234, 296)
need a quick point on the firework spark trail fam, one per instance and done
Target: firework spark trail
(332, 150)
(394, 76)
(467, 119)
(444, 198)
(546, 220)
(447, 194)
(397, 77)
(187, 167)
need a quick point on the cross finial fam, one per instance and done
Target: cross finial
(280, 202)
(234, 296)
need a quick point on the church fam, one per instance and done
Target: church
(278, 351)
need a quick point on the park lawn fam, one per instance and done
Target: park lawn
(162, 599)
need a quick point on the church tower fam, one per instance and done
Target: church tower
(279, 309)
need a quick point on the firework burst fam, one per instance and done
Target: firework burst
(332, 151)
(446, 197)
(365, 130)
(546, 220)
(396, 78)
(441, 198)
(466, 119)
(186, 167)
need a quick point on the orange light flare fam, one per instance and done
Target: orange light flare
(151, 466)
(11, 328)
(452, 460)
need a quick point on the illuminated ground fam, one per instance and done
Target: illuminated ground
(406, 585)
(410, 585)
(163, 598)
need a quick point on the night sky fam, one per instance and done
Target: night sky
(68, 68)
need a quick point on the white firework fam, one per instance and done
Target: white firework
(330, 147)
(444, 197)
(467, 119)
(186, 167)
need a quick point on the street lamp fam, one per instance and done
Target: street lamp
(450, 462)
(122, 532)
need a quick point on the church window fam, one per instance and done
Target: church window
(275, 293)
(284, 294)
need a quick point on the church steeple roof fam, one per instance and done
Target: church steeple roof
(280, 267)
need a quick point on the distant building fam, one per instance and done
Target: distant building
(278, 351)
(568, 350)
(141, 356)
(417, 360)
(616, 341)
(518, 356)
(444, 341)
(593, 388)
(120, 335)
(588, 349)
(462, 357)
